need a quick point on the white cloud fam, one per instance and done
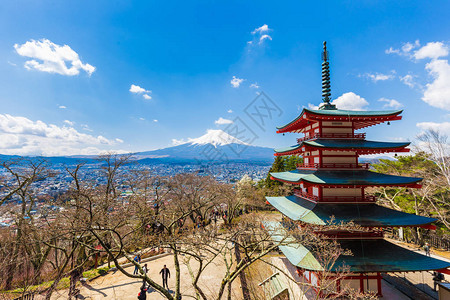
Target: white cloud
(262, 29)
(437, 93)
(254, 85)
(52, 58)
(313, 107)
(142, 119)
(236, 82)
(62, 107)
(350, 101)
(408, 80)
(443, 127)
(176, 142)
(119, 140)
(222, 121)
(379, 76)
(392, 51)
(229, 111)
(156, 121)
(22, 136)
(432, 50)
(405, 50)
(86, 127)
(260, 35)
(391, 103)
(70, 123)
(264, 37)
(137, 89)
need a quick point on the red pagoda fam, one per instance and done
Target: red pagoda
(331, 188)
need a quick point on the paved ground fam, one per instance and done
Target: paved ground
(118, 286)
(422, 280)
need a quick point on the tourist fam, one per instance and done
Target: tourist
(145, 269)
(427, 249)
(437, 277)
(165, 273)
(142, 294)
(137, 259)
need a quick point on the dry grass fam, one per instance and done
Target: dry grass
(255, 274)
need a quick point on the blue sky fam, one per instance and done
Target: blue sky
(67, 69)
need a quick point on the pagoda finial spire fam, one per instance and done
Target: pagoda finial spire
(326, 86)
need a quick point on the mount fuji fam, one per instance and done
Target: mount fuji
(216, 146)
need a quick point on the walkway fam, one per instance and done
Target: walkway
(422, 280)
(118, 286)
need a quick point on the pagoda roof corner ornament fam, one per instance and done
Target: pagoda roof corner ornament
(326, 85)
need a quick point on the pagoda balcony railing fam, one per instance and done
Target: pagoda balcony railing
(333, 166)
(334, 199)
(360, 136)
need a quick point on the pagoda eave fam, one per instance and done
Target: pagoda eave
(299, 151)
(350, 185)
(368, 256)
(361, 120)
(368, 215)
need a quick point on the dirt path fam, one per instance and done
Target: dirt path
(118, 286)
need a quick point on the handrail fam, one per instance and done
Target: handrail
(330, 199)
(333, 136)
(334, 166)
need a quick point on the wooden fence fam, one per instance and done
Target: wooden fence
(433, 239)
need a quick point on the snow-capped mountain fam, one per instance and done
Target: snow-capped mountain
(216, 146)
(216, 138)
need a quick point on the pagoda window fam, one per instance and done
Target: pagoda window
(315, 191)
(316, 160)
(314, 279)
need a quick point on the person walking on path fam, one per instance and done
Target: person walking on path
(427, 249)
(137, 259)
(142, 294)
(165, 273)
(437, 277)
(145, 269)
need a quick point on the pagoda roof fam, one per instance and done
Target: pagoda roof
(375, 255)
(369, 215)
(361, 118)
(344, 177)
(360, 146)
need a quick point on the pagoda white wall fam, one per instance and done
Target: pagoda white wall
(337, 130)
(326, 123)
(328, 152)
(350, 283)
(337, 127)
(373, 285)
(355, 284)
(341, 192)
(339, 159)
